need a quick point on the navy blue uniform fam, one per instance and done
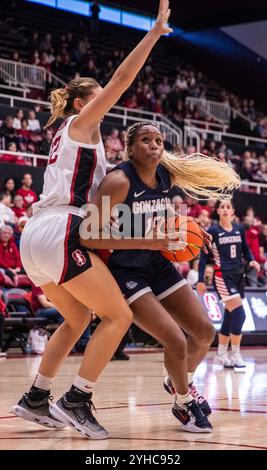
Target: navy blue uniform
(140, 271)
(229, 250)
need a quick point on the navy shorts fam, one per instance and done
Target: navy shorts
(158, 276)
(229, 284)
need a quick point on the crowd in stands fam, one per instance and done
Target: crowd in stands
(68, 57)
(15, 210)
(23, 133)
(247, 108)
(26, 135)
(71, 56)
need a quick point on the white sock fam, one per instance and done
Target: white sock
(83, 384)
(183, 399)
(43, 382)
(222, 349)
(190, 377)
(235, 348)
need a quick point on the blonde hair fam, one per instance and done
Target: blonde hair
(62, 98)
(198, 175)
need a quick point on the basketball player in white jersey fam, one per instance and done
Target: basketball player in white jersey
(73, 279)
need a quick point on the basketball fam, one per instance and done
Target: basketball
(190, 232)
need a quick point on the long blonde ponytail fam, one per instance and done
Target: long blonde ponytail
(200, 176)
(62, 98)
(59, 102)
(197, 175)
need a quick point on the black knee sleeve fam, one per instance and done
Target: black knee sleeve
(226, 324)
(238, 318)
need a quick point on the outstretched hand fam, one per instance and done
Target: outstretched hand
(162, 19)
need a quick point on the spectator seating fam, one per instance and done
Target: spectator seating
(18, 320)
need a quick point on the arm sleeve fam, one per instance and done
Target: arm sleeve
(204, 257)
(202, 265)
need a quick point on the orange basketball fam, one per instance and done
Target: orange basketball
(190, 232)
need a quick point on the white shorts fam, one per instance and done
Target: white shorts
(49, 246)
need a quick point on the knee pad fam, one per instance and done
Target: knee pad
(226, 324)
(238, 318)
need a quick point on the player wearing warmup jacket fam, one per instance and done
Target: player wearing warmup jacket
(161, 300)
(229, 248)
(74, 280)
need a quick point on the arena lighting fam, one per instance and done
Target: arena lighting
(109, 14)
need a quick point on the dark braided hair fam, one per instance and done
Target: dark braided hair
(197, 175)
(131, 133)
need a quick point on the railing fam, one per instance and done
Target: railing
(192, 139)
(23, 91)
(219, 111)
(18, 73)
(259, 187)
(222, 112)
(52, 78)
(249, 122)
(31, 157)
(15, 101)
(219, 136)
(126, 116)
(206, 125)
(174, 134)
(4, 75)
(28, 156)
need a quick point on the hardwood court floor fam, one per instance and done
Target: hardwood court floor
(133, 406)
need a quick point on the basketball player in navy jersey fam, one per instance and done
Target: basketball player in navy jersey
(229, 248)
(74, 280)
(161, 300)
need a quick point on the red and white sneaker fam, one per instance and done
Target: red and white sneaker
(167, 384)
(201, 401)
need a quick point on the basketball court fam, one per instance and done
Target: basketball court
(132, 404)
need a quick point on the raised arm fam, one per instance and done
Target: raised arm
(94, 111)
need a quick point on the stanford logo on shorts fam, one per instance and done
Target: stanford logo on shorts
(78, 257)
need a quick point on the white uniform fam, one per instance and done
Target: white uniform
(49, 246)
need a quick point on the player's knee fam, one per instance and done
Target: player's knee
(238, 319)
(126, 317)
(123, 316)
(206, 333)
(226, 324)
(79, 323)
(176, 346)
